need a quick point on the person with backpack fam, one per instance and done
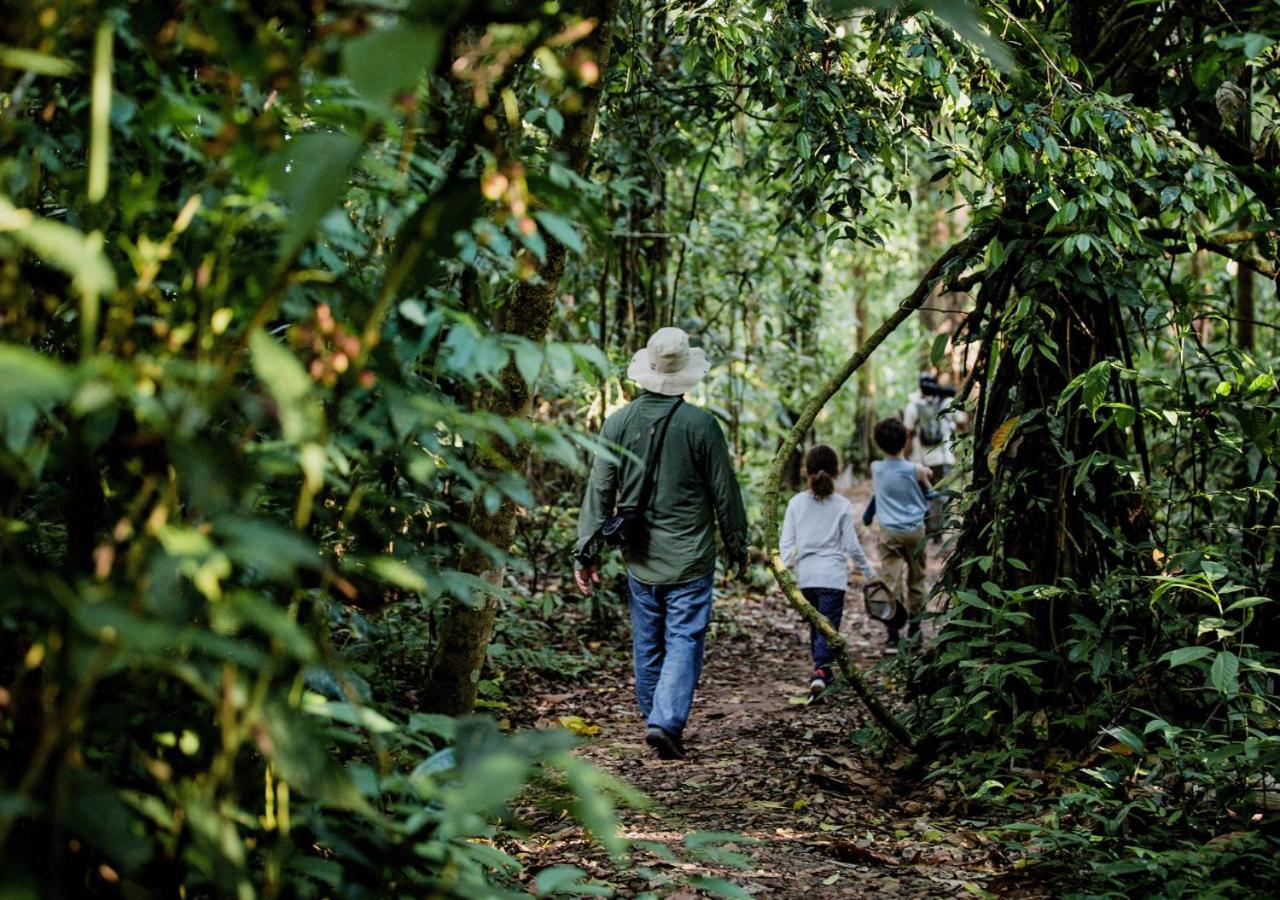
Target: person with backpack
(658, 498)
(931, 430)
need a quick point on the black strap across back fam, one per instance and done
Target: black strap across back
(653, 458)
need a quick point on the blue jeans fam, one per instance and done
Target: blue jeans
(668, 632)
(829, 602)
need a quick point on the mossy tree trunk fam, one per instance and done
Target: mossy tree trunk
(1031, 510)
(467, 627)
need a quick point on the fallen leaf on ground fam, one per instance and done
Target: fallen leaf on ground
(579, 725)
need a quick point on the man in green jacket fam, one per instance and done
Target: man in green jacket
(672, 570)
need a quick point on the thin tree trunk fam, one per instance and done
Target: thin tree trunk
(467, 628)
(1244, 309)
(864, 386)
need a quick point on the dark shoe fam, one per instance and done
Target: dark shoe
(891, 644)
(667, 745)
(822, 679)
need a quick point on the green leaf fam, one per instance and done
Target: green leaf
(346, 713)
(289, 385)
(300, 752)
(561, 230)
(1255, 44)
(1184, 655)
(28, 377)
(939, 348)
(555, 121)
(469, 588)
(260, 611)
(61, 246)
(401, 574)
(1248, 603)
(564, 879)
(1052, 151)
(34, 61)
(311, 175)
(273, 550)
(1096, 381)
(1009, 156)
(1264, 382)
(1224, 673)
(528, 357)
(719, 887)
(1126, 737)
(593, 805)
(98, 816)
(384, 63)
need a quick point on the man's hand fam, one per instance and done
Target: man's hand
(587, 579)
(735, 572)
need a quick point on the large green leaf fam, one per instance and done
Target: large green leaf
(28, 377)
(289, 385)
(1184, 655)
(560, 229)
(311, 176)
(386, 62)
(35, 61)
(98, 815)
(298, 750)
(66, 248)
(1224, 674)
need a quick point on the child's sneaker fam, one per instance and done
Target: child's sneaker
(822, 679)
(891, 644)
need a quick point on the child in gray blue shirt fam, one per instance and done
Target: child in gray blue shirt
(901, 503)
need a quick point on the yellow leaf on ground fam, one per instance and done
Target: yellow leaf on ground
(579, 725)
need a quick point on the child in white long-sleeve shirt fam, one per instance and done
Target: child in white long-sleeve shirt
(817, 536)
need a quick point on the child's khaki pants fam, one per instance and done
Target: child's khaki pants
(902, 558)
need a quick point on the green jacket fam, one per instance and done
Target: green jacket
(694, 487)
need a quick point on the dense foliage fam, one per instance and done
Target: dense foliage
(237, 413)
(309, 310)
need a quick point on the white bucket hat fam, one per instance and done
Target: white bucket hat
(668, 365)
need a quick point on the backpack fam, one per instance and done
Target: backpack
(928, 425)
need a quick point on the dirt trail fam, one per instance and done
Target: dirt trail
(829, 821)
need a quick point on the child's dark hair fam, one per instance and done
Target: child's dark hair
(822, 465)
(891, 436)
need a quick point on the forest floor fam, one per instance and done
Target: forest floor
(822, 817)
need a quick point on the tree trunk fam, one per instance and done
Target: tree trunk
(467, 628)
(1244, 309)
(864, 405)
(1024, 504)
